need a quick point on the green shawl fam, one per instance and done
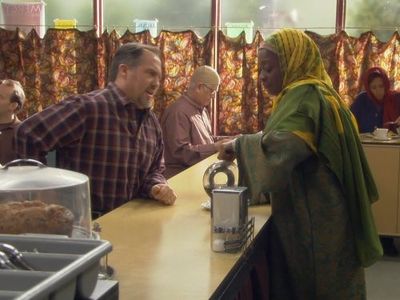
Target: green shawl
(334, 137)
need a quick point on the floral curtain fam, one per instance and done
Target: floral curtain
(182, 52)
(69, 61)
(242, 102)
(63, 63)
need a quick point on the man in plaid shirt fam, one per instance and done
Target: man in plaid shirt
(111, 134)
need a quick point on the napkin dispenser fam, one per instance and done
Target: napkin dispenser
(230, 229)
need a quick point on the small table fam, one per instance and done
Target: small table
(384, 161)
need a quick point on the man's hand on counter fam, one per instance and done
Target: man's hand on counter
(163, 193)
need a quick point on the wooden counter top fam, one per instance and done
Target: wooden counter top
(163, 252)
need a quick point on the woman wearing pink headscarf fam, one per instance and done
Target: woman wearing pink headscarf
(378, 105)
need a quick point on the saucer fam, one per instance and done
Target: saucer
(206, 205)
(385, 138)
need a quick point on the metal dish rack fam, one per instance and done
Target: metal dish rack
(237, 238)
(64, 268)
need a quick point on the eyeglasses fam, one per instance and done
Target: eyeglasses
(210, 90)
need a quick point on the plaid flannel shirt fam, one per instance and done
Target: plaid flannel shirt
(103, 135)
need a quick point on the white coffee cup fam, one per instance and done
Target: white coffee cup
(381, 133)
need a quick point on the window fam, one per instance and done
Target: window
(268, 15)
(80, 10)
(174, 15)
(381, 17)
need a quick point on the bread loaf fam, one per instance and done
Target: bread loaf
(35, 217)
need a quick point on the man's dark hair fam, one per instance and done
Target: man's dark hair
(129, 54)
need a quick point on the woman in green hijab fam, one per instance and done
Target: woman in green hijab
(310, 161)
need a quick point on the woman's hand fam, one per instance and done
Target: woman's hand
(226, 151)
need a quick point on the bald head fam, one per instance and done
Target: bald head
(203, 85)
(205, 75)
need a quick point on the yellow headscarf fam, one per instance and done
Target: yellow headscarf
(298, 55)
(301, 63)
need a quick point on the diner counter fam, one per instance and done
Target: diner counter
(163, 252)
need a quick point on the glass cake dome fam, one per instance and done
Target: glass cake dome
(38, 199)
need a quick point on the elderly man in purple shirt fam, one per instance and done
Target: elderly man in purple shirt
(186, 123)
(111, 134)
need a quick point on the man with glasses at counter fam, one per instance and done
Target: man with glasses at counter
(110, 134)
(186, 123)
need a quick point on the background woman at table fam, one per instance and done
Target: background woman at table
(378, 105)
(310, 161)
